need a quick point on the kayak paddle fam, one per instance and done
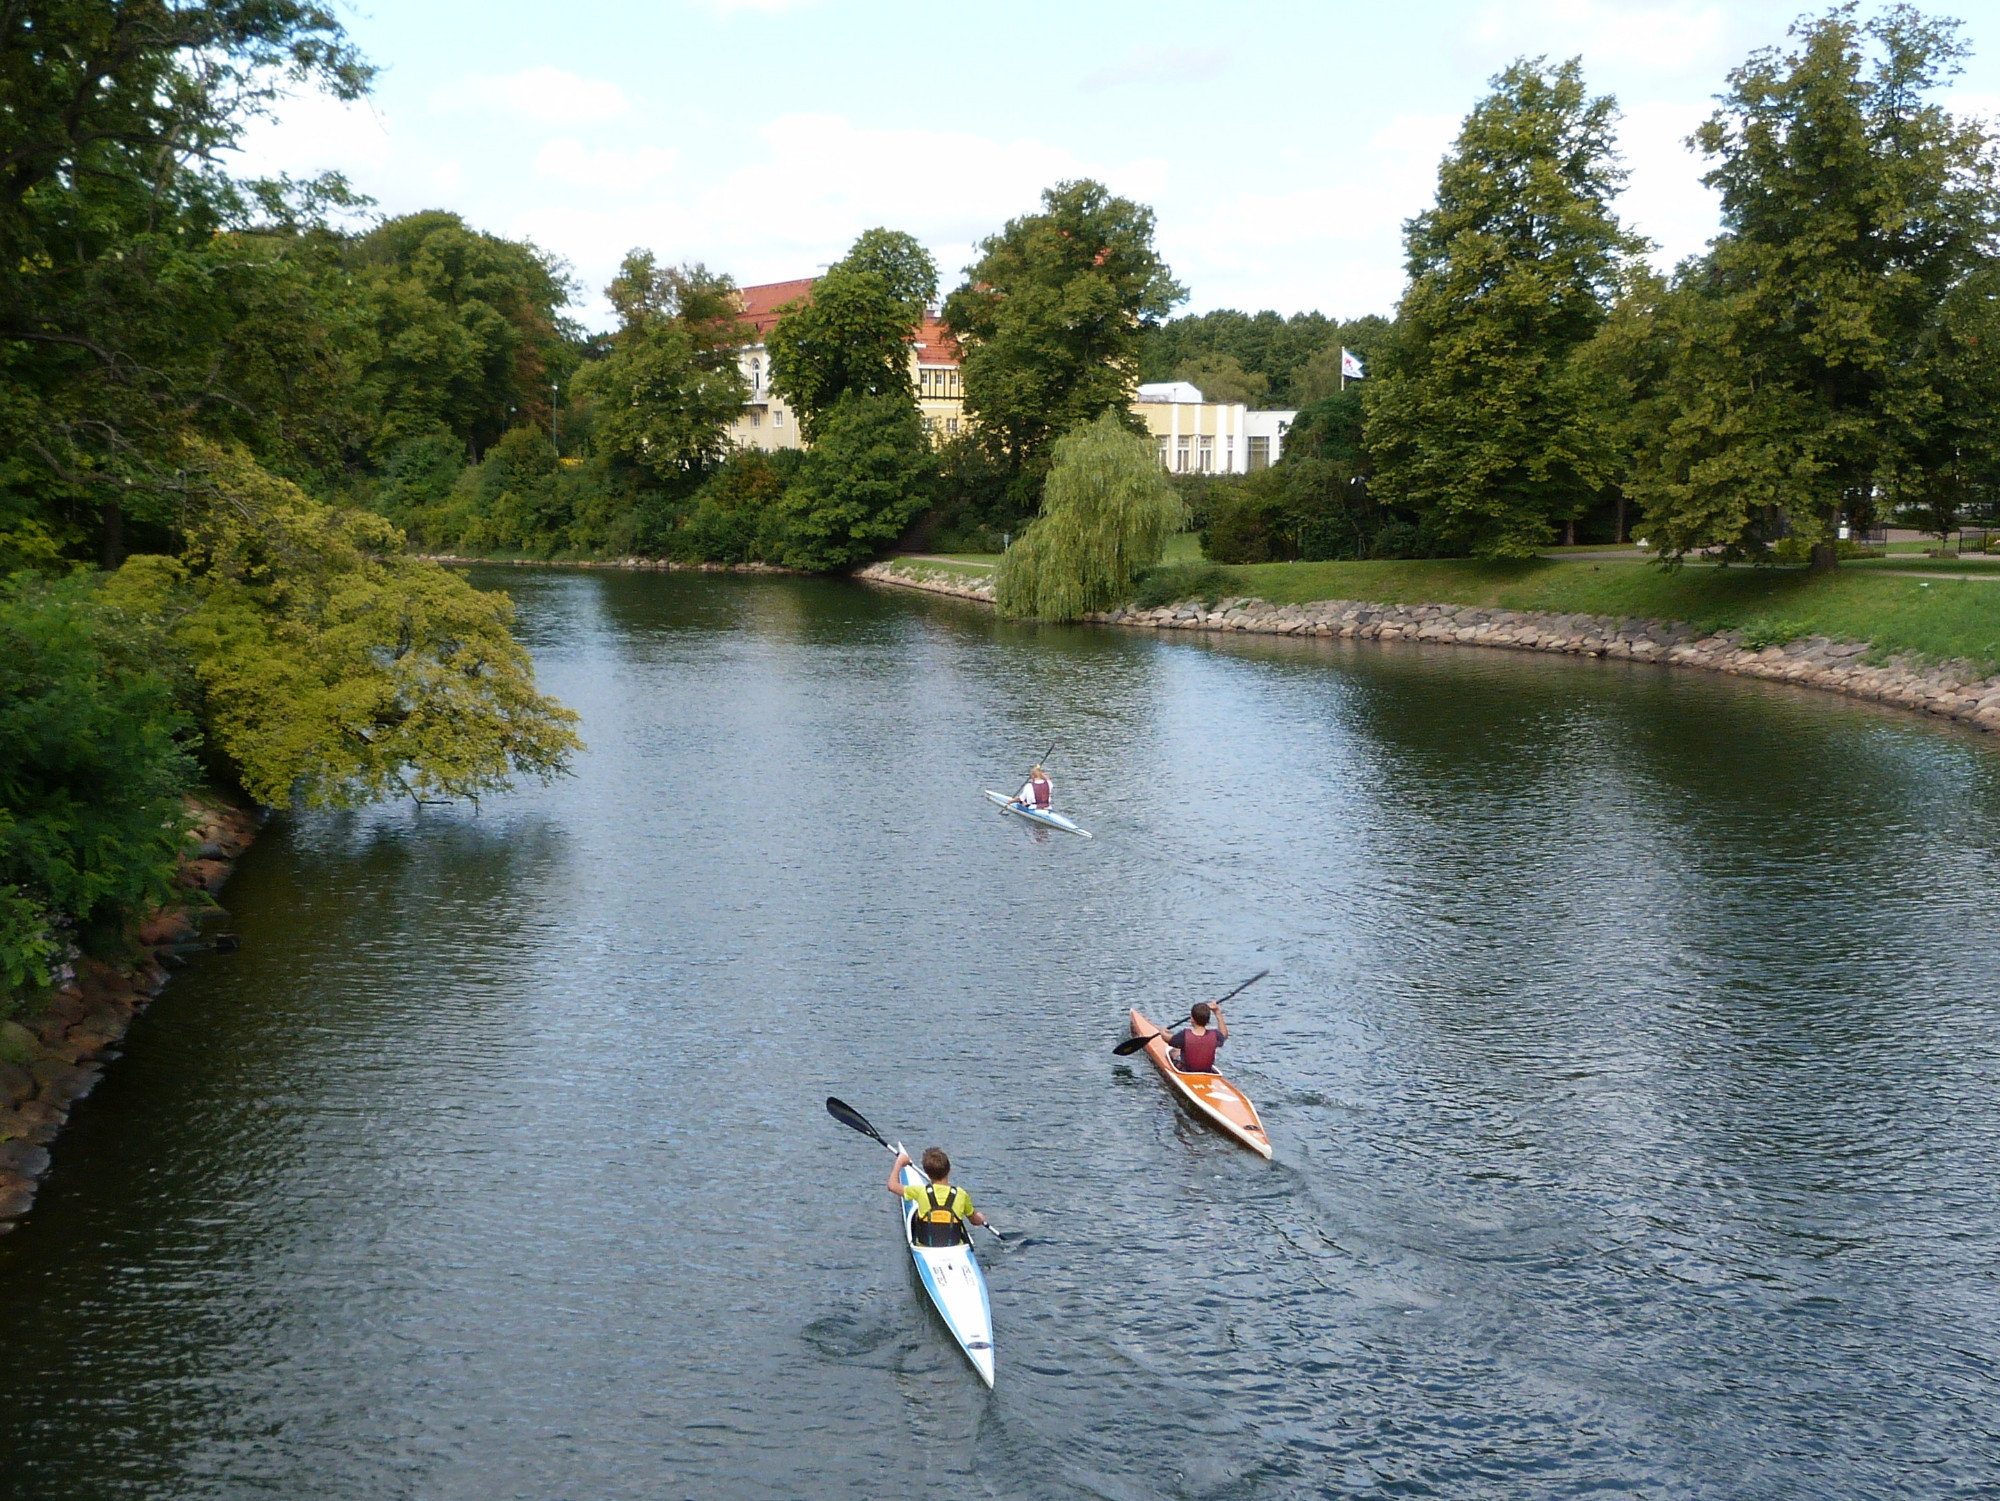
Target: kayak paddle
(1132, 1045)
(854, 1120)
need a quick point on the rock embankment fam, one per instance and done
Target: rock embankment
(1950, 689)
(905, 574)
(50, 1060)
(1953, 690)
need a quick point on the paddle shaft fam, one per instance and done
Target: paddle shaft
(854, 1120)
(1132, 1045)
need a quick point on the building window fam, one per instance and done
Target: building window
(756, 419)
(1207, 454)
(756, 376)
(1181, 455)
(1228, 455)
(951, 426)
(778, 417)
(1164, 462)
(1260, 453)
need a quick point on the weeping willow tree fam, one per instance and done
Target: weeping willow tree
(1107, 511)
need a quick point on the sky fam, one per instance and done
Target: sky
(1281, 145)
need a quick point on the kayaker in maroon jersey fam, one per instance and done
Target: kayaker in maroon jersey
(1192, 1049)
(1038, 792)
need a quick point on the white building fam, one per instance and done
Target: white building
(1197, 436)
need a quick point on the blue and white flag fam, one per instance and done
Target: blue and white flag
(1350, 367)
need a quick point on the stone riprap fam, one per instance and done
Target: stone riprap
(1953, 690)
(907, 574)
(52, 1059)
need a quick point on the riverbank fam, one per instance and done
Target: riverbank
(1954, 689)
(53, 1057)
(655, 565)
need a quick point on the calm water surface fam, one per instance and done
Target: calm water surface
(1629, 1053)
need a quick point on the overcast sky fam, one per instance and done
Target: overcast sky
(1281, 144)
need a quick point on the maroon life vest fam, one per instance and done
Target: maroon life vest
(1198, 1051)
(1041, 786)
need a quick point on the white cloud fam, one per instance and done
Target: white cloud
(1676, 36)
(569, 160)
(1664, 198)
(312, 133)
(1162, 65)
(550, 95)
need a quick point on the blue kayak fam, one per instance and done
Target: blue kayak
(1036, 815)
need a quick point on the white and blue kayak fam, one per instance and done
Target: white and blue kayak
(951, 1276)
(1037, 815)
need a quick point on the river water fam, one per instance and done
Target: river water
(1629, 1053)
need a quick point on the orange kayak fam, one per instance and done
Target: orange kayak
(1209, 1096)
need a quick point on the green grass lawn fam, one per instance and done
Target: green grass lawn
(1937, 618)
(969, 566)
(1897, 611)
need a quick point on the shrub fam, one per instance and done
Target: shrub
(95, 758)
(868, 475)
(1177, 581)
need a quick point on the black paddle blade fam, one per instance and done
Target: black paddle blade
(853, 1119)
(1132, 1045)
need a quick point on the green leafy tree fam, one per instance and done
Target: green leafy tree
(93, 761)
(1106, 515)
(1321, 377)
(1052, 318)
(466, 331)
(852, 335)
(900, 263)
(1479, 419)
(865, 479)
(1810, 357)
(1222, 378)
(117, 293)
(663, 399)
(330, 669)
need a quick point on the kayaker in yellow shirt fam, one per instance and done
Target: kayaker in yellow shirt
(942, 1210)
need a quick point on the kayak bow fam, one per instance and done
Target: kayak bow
(1209, 1096)
(1036, 815)
(951, 1276)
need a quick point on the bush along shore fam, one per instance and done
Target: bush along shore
(52, 1058)
(1953, 690)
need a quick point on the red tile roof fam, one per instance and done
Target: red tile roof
(760, 304)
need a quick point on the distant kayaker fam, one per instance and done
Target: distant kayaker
(1193, 1048)
(1038, 791)
(942, 1210)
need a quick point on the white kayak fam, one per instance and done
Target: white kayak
(1036, 815)
(952, 1277)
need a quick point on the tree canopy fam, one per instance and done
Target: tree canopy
(852, 336)
(1834, 345)
(1480, 417)
(1052, 317)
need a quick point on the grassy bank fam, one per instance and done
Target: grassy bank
(1938, 618)
(1898, 611)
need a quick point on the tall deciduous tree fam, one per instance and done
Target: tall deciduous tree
(1107, 512)
(665, 396)
(1052, 317)
(1818, 352)
(852, 336)
(114, 300)
(1479, 419)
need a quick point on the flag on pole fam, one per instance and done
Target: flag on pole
(1350, 367)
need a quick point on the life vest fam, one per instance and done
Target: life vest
(1041, 786)
(937, 1221)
